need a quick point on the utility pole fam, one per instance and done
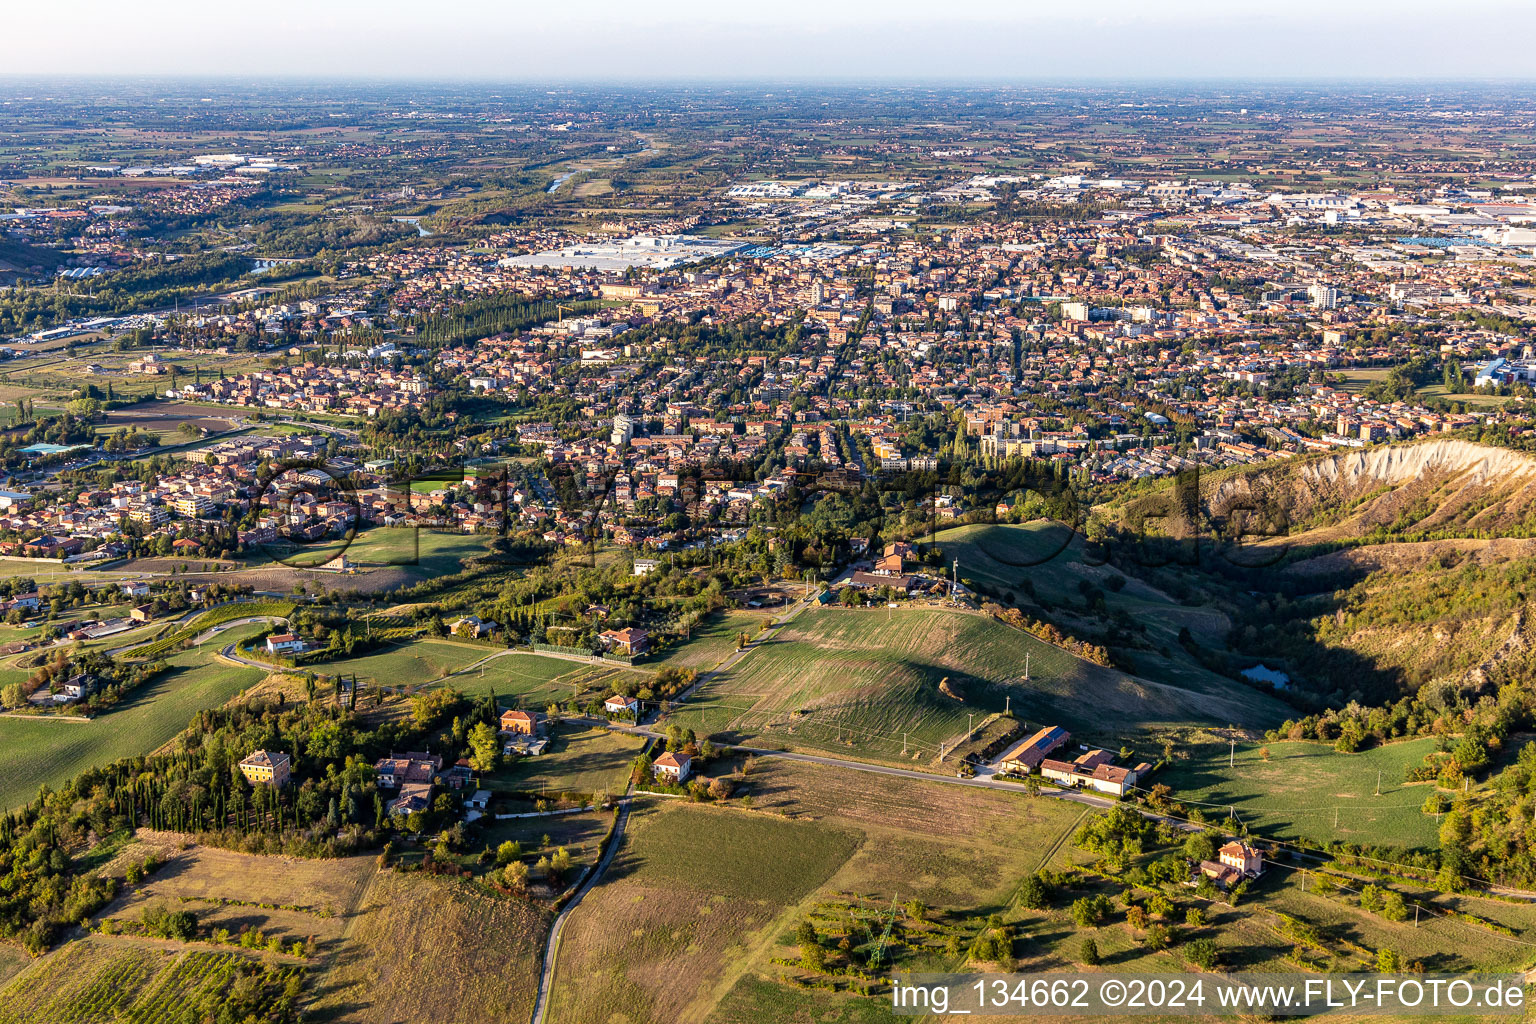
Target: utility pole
(903, 744)
(1335, 819)
(1378, 782)
(970, 723)
(1007, 704)
(1026, 666)
(1232, 754)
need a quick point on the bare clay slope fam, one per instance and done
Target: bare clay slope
(1406, 565)
(1442, 486)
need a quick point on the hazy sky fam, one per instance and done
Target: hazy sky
(670, 39)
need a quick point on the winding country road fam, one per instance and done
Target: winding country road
(552, 947)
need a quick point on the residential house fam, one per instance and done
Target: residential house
(619, 704)
(630, 641)
(411, 767)
(1095, 770)
(672, 767)
(1242, 858)
(522, 723)
(284, 643)
(267, 767)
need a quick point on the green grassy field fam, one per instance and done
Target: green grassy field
(422, 553)
(1303, 786)
(1051, 558)
(578, 759)
(1045, 564)
(716, 639)
(412, 663)
(33, 753)
(856, 680)
(701, 906)
(534, 680)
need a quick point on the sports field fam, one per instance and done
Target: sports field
(869, 682)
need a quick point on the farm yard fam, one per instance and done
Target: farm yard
(1304, 789)
(857, 680)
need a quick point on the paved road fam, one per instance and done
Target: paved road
(229, 653)
(552, 947)
(188, 617)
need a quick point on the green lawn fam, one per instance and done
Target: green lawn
(426, 553)
(1305, 787)
(34, 753)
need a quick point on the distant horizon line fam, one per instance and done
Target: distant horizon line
(1097, 81)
